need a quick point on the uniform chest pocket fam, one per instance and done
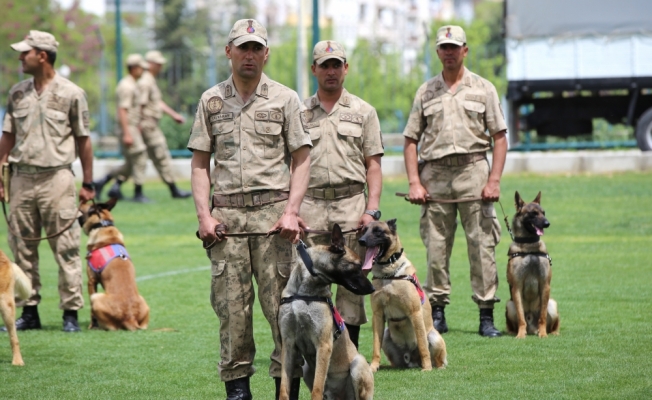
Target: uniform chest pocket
(270, 143)
(224, 140)
(57, 121)
(350, 135)
(20, 119)
(434, 113)
(475, 109)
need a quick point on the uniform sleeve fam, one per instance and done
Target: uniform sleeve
(295, 135)
(8, 121)
(201, 137)
(494, 118)
(416, 123)
(79, 115)
(372, 144)
(144, 90)
(124, 97)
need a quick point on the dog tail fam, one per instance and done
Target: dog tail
(23, 286)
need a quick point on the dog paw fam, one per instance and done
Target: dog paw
(426, 369)
(543, 335)
(374, 367)
(520, 336)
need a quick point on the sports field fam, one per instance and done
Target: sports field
(600, 240)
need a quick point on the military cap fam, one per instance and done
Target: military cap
(327, 49)
(136, 60)
(248, 30)
(37, 39)
(155, 56)
(451, 34)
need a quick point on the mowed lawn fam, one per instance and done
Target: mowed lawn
(600, 240)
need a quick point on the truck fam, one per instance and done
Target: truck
(571, 61)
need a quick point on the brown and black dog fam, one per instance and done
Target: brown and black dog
(120, 306)
(13, 283)
(529, 272)
(311, 327)
(410, 340)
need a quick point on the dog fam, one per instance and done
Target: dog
(13, 283)
(410, 340)
(530, 310)
(333, 368)
(120, 306)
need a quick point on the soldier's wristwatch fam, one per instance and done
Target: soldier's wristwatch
(374, 213)
(88, 185)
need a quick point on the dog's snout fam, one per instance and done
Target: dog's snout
(546, 223)
(362, 241)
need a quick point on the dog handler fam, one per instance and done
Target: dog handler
(46, 124)
(347, 147)
(262, 167)
(455, 117)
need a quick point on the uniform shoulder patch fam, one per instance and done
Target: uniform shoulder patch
(228, 91)
(427, 96)
(264, 90)
(86, 119)
(214, 104)
(17, 96)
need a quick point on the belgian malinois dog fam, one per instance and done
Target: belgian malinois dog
(13, 283)
(312, 328)
(530, 310)
(120, 306)
(410, 340)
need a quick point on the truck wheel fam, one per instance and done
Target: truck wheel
(644, 131)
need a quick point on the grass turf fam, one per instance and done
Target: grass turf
(599, 239)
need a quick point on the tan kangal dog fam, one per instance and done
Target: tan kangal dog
(410, 339)
(120, 306)
(312, 328)
(530, 310)
(13, 283)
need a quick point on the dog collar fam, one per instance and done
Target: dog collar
(338, 321)
(527, 239)
(534, 253)
(392, 259)
(102, 224)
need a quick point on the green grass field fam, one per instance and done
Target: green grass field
(600, 240)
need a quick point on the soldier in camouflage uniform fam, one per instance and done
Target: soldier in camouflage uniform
(45, 125)
(262, 166)
(347, 147)
(455, 117)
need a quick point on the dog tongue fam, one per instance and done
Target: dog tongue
(369, 258)
(539, 231)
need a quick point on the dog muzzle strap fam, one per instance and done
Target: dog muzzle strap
(305, 257)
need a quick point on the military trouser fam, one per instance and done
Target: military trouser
(135, 160)
(157, 149)
(233, 262)
(47, 200)
(438, 225)
(322, 215)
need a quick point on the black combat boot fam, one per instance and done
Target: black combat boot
(27, 321)
(70, 323)
(238, 389)
(439, 319)
(295, 385)
(115, 192)
(139, 197)
(487, 328)
(99, 185)
(178, 193)
(354, 333)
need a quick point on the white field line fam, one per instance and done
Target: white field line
(171, 273)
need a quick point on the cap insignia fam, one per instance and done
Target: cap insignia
(329, 49)
(250, 29)
(448, 33)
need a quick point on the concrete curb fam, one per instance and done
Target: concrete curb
(563, 162)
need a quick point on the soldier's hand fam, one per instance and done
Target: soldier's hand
(289, 226)
(365, 220)
(207, 231)
(418, 194)
(491, 191)
(86, 195)
(127, 140)
(179, 119)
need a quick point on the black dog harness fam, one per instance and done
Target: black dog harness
(534, 253)
(338, 321)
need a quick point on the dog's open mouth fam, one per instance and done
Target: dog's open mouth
(539, 231)
(369, 257)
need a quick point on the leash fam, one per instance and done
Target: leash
(31, 239)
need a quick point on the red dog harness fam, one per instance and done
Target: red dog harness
(411, 278)
(98, 259)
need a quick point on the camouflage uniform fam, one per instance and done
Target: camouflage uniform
(157, 146)
(454, 131)
(252, 142)
(128, 97)
(43, 191)
(342, 139)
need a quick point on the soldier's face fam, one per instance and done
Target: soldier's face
(248, 59)
(330, 74)
(31, 60)
(452, 56)
(154, 68)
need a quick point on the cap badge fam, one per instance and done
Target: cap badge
(448, 33)
(329, 49)
(250, 29)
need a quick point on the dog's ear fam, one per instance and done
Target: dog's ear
(337, 240)
(538, 199)
(111, 203)
(518, 201)
(392, 225)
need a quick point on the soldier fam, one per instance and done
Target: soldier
(45, 125)
(129, 110)
(455, 117)
(153, 109)
(345, 133)
(262, 168)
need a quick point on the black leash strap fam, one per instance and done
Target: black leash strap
(305, 257)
